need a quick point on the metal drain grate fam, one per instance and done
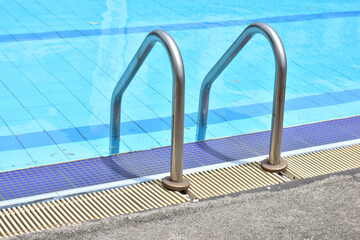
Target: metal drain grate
(323, 162)
(57, 213)
(230, 180)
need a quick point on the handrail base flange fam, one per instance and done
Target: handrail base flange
(281, 166)
(183, 185)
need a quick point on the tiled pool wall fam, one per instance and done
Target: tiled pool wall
(60, 60)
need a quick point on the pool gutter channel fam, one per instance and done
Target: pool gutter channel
(149, 194)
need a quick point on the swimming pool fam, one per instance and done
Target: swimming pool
(60, 60)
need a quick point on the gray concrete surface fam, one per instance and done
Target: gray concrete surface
(326, 207)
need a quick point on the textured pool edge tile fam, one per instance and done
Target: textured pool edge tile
(91, 172)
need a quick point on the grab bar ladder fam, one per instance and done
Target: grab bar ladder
(274, 163)
(175, 181)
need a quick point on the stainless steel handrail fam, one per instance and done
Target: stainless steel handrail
(175, 181)
(274, 163)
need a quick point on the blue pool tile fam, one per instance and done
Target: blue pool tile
(189, 122)
(299, 103)
(69, 34)
(22, 88)
(51, 87)
(328, 132)
(216, 151)
(14, 114)
(94, 101)
(8, 103)
(253, 110)
(224, 129)
(47, 35)
(91, 32)
(47, 155)
(290, 141)
(349, 125)
(78, 150)
(4, 129)
(353, 107)
(66, 135)
(44, 112)
(83, 119)
(73, 109)
(190, 135)
(163, 137)
(317, 114)
(213, 117)
(355, 92)
(130, 101)
(346, 110)
(324, 100)
(130, 127)
(7, 38)
(95, 171)
(77, 85)
(54, 123)
(154, 125)
(24, 126)
(29, 182)
(34, 101)
(264, 121)
(62, 99)
(293, 118)
(119, 168)
(15, 159)
(102, 146)
(37, 139)
(139, 161)
(139, 113)
(5, 93)
(139, 141)
(24, 37)
(248, 125)
(9, 143)
(345, 96)
(94, 131)
(258, 142)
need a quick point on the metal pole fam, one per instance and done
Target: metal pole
(175, 181)
(274, 163)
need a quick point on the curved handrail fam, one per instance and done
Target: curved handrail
(279, 91)
(177, 135)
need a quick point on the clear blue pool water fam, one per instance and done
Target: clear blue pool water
(60, 60)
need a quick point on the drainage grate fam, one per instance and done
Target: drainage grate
(323, 162)
(230, 180)
(150, 195)
(57, 213)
